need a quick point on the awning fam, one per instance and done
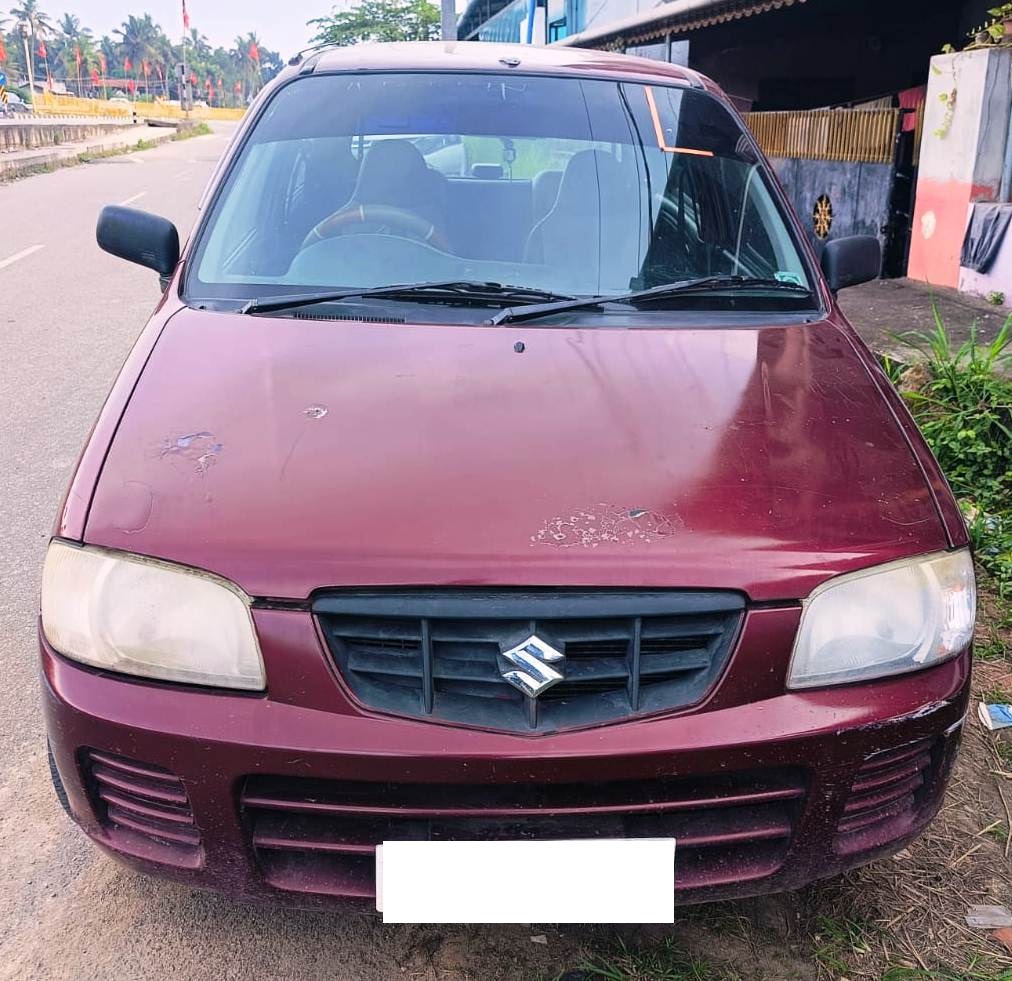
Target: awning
(675, 18)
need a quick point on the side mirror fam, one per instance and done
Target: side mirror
(139, 237)
(851, 260)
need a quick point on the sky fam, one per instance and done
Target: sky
(280, 25)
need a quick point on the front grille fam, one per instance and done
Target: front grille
(438, 654)
(143, 806)
(886, 795)
(320, 836)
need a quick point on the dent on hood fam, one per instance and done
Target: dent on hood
(198, 451)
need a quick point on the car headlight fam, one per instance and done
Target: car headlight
(886, 620)
(144, 617)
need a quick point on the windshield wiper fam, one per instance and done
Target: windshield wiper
(703, 284)
(434, 292)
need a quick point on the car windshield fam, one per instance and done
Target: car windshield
(577, 187)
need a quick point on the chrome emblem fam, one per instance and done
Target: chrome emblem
(533, 666)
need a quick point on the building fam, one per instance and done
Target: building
(767, 54)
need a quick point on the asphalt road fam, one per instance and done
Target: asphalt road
(69, 314)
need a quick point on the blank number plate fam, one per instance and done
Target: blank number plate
(624, 880)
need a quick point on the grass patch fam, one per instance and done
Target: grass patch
(189, 132)
(838, 942)
(919, 974)
(962, 402)
(665, 962)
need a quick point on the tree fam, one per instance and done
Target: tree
(379, 20)
(41, 25)
(73, 42)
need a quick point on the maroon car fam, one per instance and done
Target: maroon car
(498, 465)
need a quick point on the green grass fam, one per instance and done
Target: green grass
(189, 132)
(990, 650)
(919, 974)
(964, 410)
(838, 942)
(666, 962)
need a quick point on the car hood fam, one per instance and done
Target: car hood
(293, 454)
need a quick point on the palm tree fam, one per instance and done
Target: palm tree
(71, 40)
(39, 27)
(138, 40)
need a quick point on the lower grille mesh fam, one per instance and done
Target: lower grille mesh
(144, 805)
(886, 793)
(320, 837)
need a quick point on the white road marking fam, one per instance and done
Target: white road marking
(130, 200)
(23, 254)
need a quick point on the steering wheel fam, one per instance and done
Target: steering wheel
(380, 214)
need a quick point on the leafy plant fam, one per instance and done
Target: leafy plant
(963, 406)
(995, 298)
(378, 20)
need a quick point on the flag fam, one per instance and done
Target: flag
(186, 17)
(127, 65)
(193, 78)
(77, 57)
(254, 51)
(103, 64)
(131, 85)
(238, 87)
(94, 77)
(42, 49)
(3, 50)
(145, 68)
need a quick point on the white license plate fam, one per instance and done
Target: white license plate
(611, 880)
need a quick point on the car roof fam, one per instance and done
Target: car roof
(482, 56)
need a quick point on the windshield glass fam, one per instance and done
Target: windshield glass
(577, 187)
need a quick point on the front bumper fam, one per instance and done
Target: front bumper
(284, 795)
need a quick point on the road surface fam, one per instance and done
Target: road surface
(68, 316)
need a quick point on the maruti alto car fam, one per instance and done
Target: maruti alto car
(498, 465)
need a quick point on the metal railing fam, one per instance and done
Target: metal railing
(850, 135)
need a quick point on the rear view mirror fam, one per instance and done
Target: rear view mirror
(851, 260)
(139, 237)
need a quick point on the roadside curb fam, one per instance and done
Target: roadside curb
(30, 162)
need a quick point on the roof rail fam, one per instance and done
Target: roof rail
(296, 59)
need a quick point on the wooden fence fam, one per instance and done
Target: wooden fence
(853, 135)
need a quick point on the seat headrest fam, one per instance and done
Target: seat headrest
(591, 175)
(392, 171)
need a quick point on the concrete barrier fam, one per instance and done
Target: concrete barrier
(18, 134)
(109, 140)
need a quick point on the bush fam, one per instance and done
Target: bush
(963, 404)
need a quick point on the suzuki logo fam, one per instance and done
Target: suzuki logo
(533, 666)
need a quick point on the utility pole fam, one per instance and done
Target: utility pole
(25, 29)
(448, 20)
